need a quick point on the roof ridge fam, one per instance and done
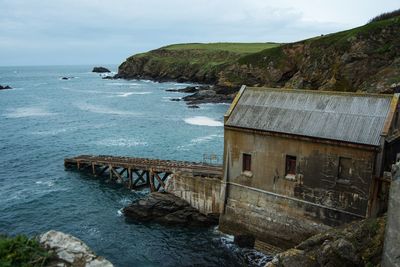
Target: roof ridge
(311, 91)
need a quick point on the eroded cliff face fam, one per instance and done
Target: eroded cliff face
(178, 65)
(362, 59)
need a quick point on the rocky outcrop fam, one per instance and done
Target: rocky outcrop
(167, 209)
(357, 244)
(206, 94)
(70, 251)
(361, 59)
(100, 70)
(5, 87)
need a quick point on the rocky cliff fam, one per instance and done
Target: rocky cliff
(366, 58)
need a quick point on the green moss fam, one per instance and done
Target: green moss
(21, 251)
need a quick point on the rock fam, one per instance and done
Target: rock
(5, 87)
(356, 244)
(70, 251)
(167, 209)
(108, 78)
(65, 78)
(244, 241)
(100, 70)
(189, 89)
(207, 94)
(175, 99)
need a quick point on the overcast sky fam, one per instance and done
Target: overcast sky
(56, 32)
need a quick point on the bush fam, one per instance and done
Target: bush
(387, 15)
(22, 251)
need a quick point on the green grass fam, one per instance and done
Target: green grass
(240, 48)
(22, 251)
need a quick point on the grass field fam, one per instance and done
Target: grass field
(240, 48)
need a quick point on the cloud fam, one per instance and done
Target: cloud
(89, 31)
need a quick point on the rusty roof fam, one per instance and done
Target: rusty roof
(350, 117)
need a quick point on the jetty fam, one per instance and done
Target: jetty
(137, 173)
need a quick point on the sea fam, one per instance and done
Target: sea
(45, 119)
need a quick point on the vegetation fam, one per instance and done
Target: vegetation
(22, 251)
(387, 15)
(240, 48)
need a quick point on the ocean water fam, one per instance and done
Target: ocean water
(45, 119)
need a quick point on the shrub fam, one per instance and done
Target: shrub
(21, 251)
(387, 15)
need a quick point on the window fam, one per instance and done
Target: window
(345, 168)
(290, 165)
(246, 162)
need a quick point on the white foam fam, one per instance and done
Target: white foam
(132, 93)
(203, 121)
(28, 112)
(104, 110)
(48, 183)
(50, 132)
(120, 142)
(207, 138)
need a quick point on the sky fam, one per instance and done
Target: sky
(76, 32)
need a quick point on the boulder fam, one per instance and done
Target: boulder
(167, 209)
(100, 70)
(70, 251)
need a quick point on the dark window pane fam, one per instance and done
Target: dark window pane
(290, 165)
(246, 162)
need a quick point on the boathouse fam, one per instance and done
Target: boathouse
(299, 161)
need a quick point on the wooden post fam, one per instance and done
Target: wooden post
(93, 169)
(130, 178)
(152, 188)
(111, 171)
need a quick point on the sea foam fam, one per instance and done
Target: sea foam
(28, 112)
(203, 121)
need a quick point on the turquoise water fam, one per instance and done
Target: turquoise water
(45, 119)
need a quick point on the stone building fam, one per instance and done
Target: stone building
(298, 161)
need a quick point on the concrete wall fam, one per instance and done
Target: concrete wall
(286, 208)
(203, 193)
(391, 252)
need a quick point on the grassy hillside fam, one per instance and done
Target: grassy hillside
(194, 62)
(240, 48)
(365, 58)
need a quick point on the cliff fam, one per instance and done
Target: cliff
(366, 58)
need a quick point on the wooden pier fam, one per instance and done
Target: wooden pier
(137, 173)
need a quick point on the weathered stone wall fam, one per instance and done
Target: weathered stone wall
(202, 193)
(285, 210)
(280, 221)
(391, 253)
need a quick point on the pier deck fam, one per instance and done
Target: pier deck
(136, 173)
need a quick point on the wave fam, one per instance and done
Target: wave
(203, 121)
(105, 110)
(207, 138)
(28, 112)
(132, 93)
(120, 142)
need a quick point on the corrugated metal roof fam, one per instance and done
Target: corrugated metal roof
(356, 118)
